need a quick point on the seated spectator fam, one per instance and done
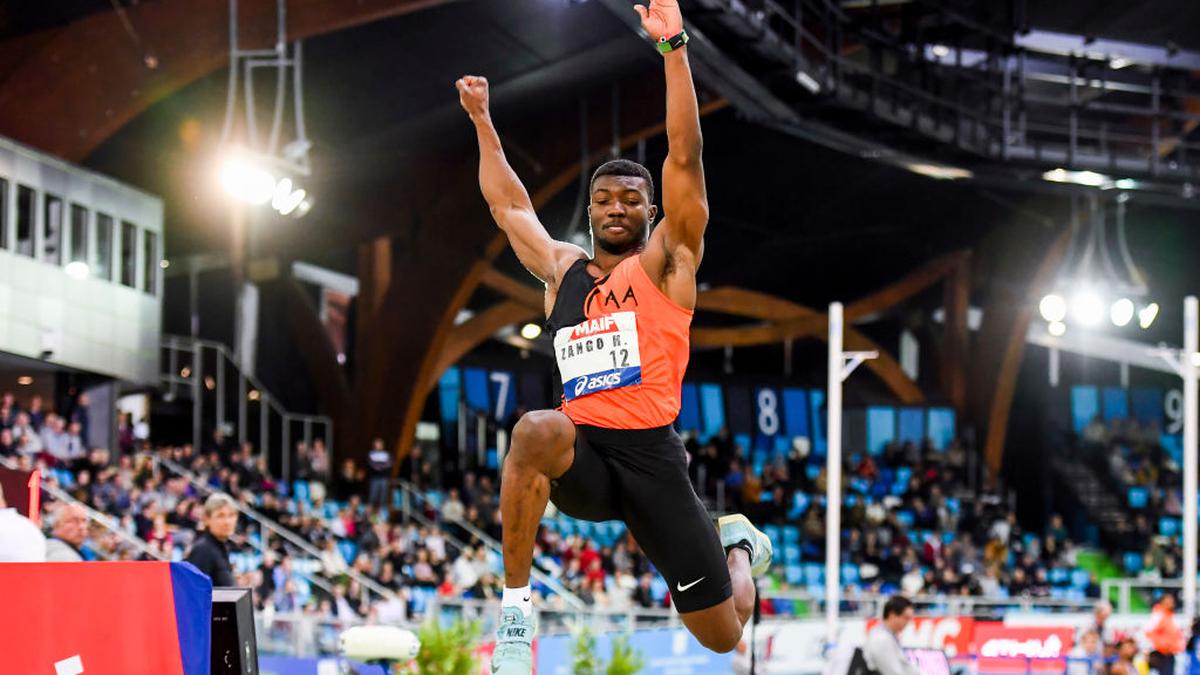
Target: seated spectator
(70, 531)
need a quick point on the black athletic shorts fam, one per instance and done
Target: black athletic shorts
(640, 476)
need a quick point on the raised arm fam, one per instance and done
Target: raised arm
(685, 202)
(505, 195)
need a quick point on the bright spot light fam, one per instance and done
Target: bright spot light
(253, 395)
(164, 263)
(304, 207)
(1147, 315)
(531, 331)
(1121, 312)
(1119, 62)
(1053, 307)
(246, 182)
(24, 380)
(1057, 328)
(940, 51)
(77, 269)
(1089, 178)
(1126, 184)
(1087, 308)
(939, 171)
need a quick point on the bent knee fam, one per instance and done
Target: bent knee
(541, 435)
(722, 642)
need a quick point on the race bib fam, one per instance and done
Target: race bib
(599, 354)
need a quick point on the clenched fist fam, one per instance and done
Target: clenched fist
(473, 95)
(661, 19)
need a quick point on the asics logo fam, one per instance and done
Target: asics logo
(596, 382)
(681, 587)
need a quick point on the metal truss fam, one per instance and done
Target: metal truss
(905, 81)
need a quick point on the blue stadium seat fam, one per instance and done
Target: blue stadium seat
(1138, 497)
(1080, 579)
(493, 459)
(1132, 561)
(905, 518)
(812, 471)
(791, 554)
(348, 549)
(800, 502)
(300, 489)
(791, 534)
(953, 505)
(1059, 576)
(903, 474)
(850, 574)
(814, 573)
(794, 574)
(773, 533)
(1169, 527)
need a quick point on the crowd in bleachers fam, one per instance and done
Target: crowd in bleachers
(910, 523)
(1143, 466)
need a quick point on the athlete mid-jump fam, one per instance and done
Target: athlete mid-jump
(620, 321)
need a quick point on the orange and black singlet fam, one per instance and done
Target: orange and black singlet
(621, 346)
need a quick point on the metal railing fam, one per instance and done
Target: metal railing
(871, 604)
(1123, 589)
(278, 530)
(191, 374)
(409, 490)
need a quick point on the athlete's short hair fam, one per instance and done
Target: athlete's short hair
(625, 167)
(897, 604)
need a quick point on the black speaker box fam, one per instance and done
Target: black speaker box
(234, 648)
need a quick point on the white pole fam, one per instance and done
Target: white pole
(833, 483)
(1191, 338)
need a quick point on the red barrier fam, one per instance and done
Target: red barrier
(121, 617)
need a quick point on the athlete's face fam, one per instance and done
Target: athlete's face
(620, 213)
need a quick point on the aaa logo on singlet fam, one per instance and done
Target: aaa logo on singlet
(599, 354)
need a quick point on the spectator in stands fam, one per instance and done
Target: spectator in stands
(37, 416)
(8, 409)
(1100, 625)
(8, 446)
(79, 415)
(29, 443)
(1165, 637)
(70, 531)
(210, 552)
(882, 652)
(55, 440)
(379, 470)
(1087, 658)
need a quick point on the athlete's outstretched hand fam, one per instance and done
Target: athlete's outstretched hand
(473, 95)
(661, 19)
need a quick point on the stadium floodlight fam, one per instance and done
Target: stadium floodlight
(1147, 315)
(77, 269)
(531, 331)
(1087, 308)
(1057, 328)
(1121, 312)
(1053, 307)
(247, 182)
